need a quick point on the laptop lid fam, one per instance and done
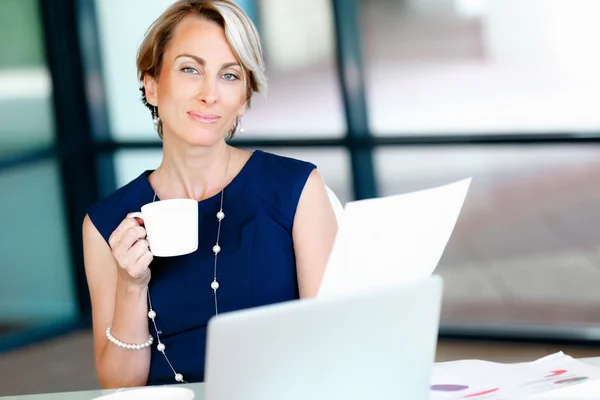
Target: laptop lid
(377, 344)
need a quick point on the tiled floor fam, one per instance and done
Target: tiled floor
(66, 363)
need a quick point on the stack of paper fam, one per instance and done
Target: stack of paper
(474, 379)
(392, 239)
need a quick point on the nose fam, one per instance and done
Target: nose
(207, 91)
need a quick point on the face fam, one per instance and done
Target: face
(200, 89)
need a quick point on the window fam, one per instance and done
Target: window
(525, 248)
(34, 253)
(449, 67)
(25, 97)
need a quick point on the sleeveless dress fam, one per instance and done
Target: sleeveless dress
(256, 265)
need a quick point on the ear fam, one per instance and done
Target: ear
(242, 109)
(151, 86)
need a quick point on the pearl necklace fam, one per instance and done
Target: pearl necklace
(214, 286)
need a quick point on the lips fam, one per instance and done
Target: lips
(204, 118)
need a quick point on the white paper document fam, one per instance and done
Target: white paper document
(557, 376)
(393, 239)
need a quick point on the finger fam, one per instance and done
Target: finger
(141, 266)
(121, 249)
(131, 236)
(139, 249)
(137, 272)
(145, 259)
(139, 220)
(117, 234)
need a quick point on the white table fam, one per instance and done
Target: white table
(198, 389)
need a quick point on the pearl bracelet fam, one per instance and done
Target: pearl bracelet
(128, 346)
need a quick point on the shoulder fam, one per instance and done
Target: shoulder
(280, 181)
(108, 213)
(280, 169)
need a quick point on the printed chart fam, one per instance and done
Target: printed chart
(475, 379)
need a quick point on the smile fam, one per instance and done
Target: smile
(204, 118)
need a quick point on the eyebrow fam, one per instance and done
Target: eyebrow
(202, 62)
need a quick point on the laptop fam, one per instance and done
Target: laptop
(377, 344)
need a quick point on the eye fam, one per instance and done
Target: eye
(230, 77)
(189, 70)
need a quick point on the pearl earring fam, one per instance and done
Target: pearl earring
(241, 127)
(155, 117)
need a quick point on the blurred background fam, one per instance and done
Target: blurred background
(385, 96)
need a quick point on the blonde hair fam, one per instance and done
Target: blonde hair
(240, 32)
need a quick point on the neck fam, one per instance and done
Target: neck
(192, 172)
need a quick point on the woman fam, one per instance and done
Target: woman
(199, 65)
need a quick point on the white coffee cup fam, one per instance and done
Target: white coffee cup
(171, 226)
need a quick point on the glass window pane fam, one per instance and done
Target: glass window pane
(129, 164)
(485, 66)
(37, 285)
(120, 37)
(25, 96)
(526, 247)
(303, 98)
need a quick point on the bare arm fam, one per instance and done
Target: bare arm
(315, 227)
(118, 299)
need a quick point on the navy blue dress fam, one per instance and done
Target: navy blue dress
(256, 265)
